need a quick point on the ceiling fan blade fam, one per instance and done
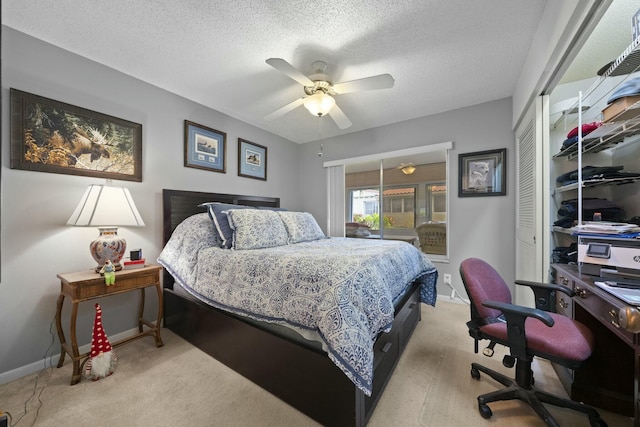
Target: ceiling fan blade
(288, 69)
(339, 117)
(381, 81)
(284, 110)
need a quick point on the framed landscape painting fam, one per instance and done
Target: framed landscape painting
(52, 136)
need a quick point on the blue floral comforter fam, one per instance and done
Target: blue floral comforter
(342, 288)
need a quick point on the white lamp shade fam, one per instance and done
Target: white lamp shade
(104, 205)
(319, 103)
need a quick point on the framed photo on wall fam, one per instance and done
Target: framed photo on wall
(252, 160)
(204, 148)
(52, 136)
(482, 173)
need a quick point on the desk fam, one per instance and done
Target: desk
(87, 285)
(609, 379)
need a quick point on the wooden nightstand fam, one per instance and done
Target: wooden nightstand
(88, 285)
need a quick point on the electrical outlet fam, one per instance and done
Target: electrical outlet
(447, 279)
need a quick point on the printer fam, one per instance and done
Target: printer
(609, 257)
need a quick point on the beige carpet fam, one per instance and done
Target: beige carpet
(178, 385)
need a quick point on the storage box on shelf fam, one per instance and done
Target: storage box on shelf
(622, 109)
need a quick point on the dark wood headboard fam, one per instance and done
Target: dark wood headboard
(177, 205)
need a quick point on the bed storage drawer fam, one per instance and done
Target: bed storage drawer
(407, 319)
(389, 346)
(387, 352)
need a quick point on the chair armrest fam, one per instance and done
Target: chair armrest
(516, 316)
(544, 292)
(545, 286)
(518, 311)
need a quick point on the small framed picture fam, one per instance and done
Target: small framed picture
(252, 160)
(482, 173)
(204, 148)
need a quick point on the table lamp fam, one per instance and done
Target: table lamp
(106, 207)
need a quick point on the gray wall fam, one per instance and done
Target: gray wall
(36, 243)
(479, 226)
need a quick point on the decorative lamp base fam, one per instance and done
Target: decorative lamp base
(108, 246)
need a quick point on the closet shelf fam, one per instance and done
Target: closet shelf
(589, 183)
(606, 136)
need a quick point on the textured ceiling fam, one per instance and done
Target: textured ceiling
(443, 54)
(608, 40)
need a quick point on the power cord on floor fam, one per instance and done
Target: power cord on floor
(35, 393)
(454, 293)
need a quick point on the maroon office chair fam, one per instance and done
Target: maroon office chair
(527, 332)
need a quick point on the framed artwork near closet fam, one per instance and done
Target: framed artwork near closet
(482, 173)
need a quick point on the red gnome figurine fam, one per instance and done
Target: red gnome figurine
(103, 359)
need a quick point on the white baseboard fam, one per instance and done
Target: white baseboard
(14, 374)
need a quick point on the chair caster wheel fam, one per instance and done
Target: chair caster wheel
(475, 374)
(599, 422)
(508, 361)
(484, 410)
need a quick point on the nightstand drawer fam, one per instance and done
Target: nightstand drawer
(88, 284)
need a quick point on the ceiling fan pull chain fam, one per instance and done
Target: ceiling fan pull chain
(321, 152)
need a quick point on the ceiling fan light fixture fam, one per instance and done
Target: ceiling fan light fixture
(319, 104)
(408, 170)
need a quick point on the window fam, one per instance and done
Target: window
(436, 202)
(379, 191)
(364, 204)
(370, 207)
(365, 207)
(398, 207)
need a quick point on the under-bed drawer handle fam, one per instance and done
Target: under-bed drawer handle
(386, 347)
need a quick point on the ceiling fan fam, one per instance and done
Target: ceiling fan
(319, 90)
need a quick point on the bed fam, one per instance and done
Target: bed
(284, 360)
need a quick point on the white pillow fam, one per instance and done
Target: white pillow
(301, 226)
(255, 229)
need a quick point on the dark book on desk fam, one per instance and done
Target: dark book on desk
(130, 265)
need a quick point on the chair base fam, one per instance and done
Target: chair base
(530, 395)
